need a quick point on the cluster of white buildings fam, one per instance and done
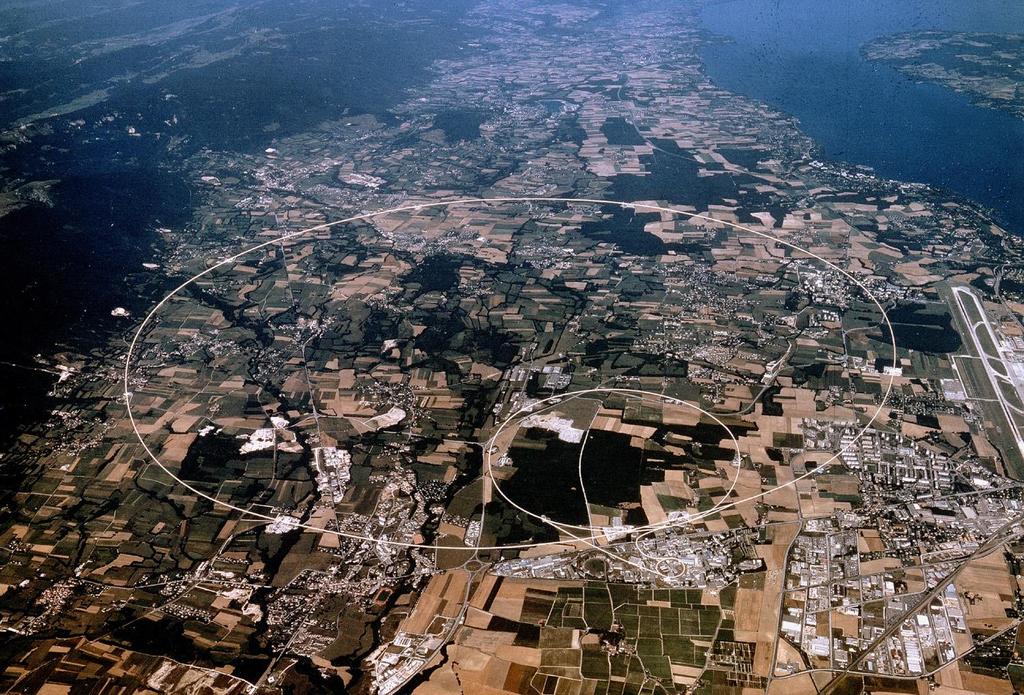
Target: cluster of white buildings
(332, 473)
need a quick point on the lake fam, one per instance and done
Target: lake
(803, 57)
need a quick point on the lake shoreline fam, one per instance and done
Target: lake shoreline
(809, 64)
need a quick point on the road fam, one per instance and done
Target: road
(1007, 532)
(227, 262)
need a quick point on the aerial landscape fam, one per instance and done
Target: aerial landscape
(550, 347)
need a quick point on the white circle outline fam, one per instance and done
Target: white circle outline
(478, 201)
(633, 393)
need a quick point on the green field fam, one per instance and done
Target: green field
(659, 628)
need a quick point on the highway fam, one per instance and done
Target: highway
(1009, 531)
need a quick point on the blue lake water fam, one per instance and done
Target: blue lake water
(803, 57)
